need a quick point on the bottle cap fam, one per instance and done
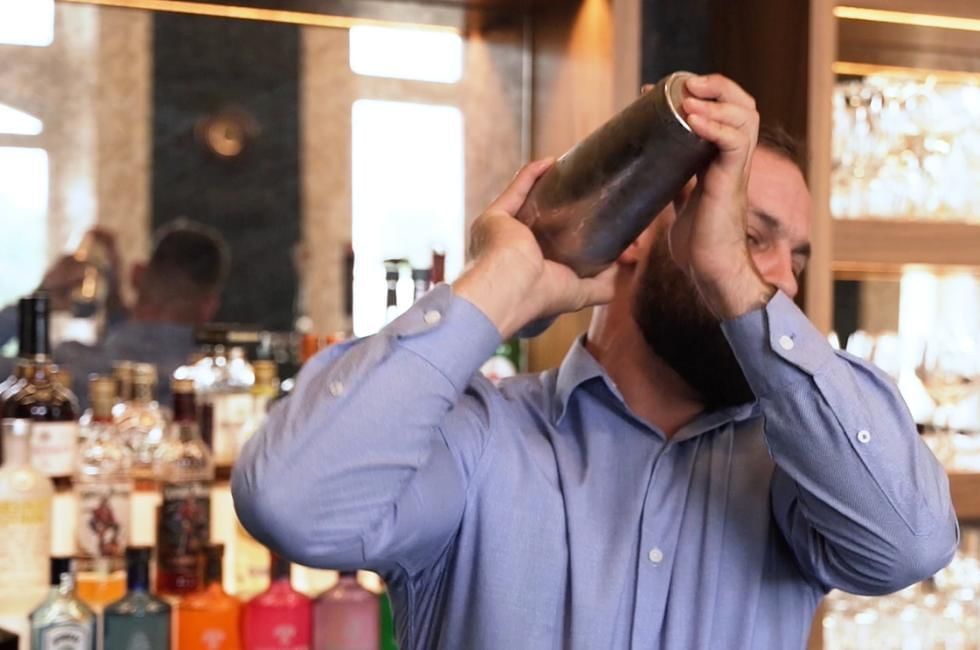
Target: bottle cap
(144, 373)
(266, 371)
(34, 337)
(182, 385)
(138, 554)
(59, 566)
(101, 387)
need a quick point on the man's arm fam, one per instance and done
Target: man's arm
(368, 462)
(858, 495)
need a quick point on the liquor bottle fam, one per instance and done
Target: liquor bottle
(438, 272)
(104, 488)
(62, 620)
(25, 520)
(8, 640)
(280, 618)
(53, 408)
(209, 619)
(421, 278)
(141, 422)
(138, 620)
(122, 372)
(388, 638)
(225, 382)
(506, 362)
(251, 558)
(392, 274)
(183, 466)
(346, 617)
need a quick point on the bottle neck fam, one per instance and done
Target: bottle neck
(142, 393)
(185, 408)
(213, 570)
(102, 411)
(66, 585)
(279, 568)
(138, 576)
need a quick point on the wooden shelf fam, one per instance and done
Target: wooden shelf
(882, 245)
(964, 488)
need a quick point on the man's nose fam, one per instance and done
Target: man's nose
(777, 269)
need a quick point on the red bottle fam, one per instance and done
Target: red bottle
(280, 618)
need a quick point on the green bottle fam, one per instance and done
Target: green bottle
(388, 641)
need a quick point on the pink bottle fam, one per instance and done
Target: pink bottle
(347, 617)
(280, 618)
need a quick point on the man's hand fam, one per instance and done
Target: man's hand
(708, 240)
(509, 279)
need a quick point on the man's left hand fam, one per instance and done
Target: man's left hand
(708, 240)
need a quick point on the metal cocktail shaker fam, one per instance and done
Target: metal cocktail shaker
(597, 198)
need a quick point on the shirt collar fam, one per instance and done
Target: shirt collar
(580, 367)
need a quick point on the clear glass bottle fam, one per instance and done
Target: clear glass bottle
(52, 407)
(25, 527)
(139, 620)
(183, 466)
(280, 618)
(224, 381)
(62, 620)
(347, 617)
(210, 619)
(122, 372)
(104, 489)
(251, 558)
(142, 422)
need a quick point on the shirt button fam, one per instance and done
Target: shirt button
(656, 555)
(786, 343)
(864, 436)
(336, 388)
(432, 317)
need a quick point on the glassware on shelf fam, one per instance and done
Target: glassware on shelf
(140, 619)
(906, 147)
(141, 421)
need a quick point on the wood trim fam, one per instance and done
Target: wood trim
(880, 245)
(964, 488)
(961, 8)
(823, 51)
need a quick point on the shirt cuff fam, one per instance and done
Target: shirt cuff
(449, 332)
(777, 345)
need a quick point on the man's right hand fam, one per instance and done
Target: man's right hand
(509, 279)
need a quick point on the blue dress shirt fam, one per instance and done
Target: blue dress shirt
(543, 514)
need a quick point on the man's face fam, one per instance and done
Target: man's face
(673, 318)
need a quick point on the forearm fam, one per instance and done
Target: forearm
(864, 503)
(361, 450)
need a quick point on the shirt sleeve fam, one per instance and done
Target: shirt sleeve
(367, 463)
(858, 495)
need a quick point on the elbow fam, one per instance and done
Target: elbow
(917, 558)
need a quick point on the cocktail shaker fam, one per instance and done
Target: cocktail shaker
(598, 197)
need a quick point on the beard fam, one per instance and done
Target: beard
(680, 329)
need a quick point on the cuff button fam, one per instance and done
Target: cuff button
(864, 436)
(432, 317)
(786, 343)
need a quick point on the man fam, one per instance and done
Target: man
(178, 289)
(675, 484)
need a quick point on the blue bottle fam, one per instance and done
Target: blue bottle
(138, 620)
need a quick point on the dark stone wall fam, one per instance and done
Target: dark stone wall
(203, 66)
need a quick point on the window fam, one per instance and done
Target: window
(407, 182)
(18, 122)
(23, 211)
(27, 22)
(420, 54)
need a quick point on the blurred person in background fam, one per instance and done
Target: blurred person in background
(177, 289)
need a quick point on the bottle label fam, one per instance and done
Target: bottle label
(67, 636)
(103, 519)
(184, 530)
(53, 447)
(232, 415)
(281, 635)
(25, 542)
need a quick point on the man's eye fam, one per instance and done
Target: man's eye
(754, 241)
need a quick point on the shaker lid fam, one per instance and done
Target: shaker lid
(676, 91)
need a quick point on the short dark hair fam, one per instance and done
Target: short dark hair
(781, 142)
(189, 256)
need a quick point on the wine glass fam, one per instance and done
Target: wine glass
(949, 370)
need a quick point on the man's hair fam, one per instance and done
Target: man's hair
(189, 260)
(778, 140)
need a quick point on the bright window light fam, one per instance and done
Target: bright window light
(27, 22)
(24, 211)
(18, 122)
(424, 55)
(407, 182)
